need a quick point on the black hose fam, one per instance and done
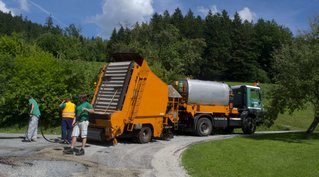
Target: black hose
(48, 140)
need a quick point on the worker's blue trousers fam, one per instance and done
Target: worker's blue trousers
(66, 129)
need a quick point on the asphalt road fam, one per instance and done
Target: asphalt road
(155, 159)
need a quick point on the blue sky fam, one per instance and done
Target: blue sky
(100, 17)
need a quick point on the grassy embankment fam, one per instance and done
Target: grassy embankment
(286, 154)
(265, 155)
(23, 129)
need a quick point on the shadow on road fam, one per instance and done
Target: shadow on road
(120, 140)
(294, 137)
(11, 137)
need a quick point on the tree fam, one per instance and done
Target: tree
(27, 69)
(242, 65)
(49, 22)
(192, 27)
(62, 47)
(13, 45)
(177, 19)
(156, 22)
(93, 50)
(217, 35)
(269, 36)
(297, 76)
(72, 30)
(51, 43)
(191, 51)
(223, 48)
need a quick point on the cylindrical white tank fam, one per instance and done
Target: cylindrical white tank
(207, 92)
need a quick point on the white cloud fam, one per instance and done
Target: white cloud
(122, 12)
(247, 14)
(3, 8)
(204, 11)
(24, 5)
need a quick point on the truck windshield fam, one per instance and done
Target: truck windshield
(254, 100)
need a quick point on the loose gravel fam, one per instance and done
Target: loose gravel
(155, 159)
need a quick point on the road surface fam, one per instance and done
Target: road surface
(155, 159)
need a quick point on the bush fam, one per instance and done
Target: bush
(47, 79)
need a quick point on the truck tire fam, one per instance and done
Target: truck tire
(144, 135)
(204, 127)
(249, 125)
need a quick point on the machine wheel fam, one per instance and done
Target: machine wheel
(144, 135)
(228, 130)
(249, 125)
(204, 127)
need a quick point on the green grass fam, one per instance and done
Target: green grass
(23, 129)
(299, 120)
(284, 155)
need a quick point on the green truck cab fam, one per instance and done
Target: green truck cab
(247, 99)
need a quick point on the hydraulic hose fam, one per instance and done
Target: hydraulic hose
(48, 140)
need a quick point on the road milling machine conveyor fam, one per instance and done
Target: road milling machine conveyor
(131, 100)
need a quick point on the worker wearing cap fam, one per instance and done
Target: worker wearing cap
(35, 114)
(68, 115)
(80, 125)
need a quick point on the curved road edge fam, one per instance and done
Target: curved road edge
(167, 161)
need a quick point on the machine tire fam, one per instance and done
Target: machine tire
(204, 127)
(144, 135)
(249, 125)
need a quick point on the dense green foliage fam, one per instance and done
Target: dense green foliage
(61, 43)
(46, 62)
(16, 24)
(28, 70)
(286, 154)
(215, 48)
(297, 75)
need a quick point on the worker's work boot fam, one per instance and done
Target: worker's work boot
(80, 152)
(65, 142)
(69, 151)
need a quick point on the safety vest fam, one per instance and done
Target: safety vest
(69, 110)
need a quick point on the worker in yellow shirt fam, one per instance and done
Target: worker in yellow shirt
(68, 114)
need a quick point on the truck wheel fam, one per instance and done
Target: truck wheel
(145, 135)
(249, 125)
(204, 127)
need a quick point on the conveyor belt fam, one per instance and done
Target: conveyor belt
(114, 84)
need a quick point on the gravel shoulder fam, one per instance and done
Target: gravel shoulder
(155, 159)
